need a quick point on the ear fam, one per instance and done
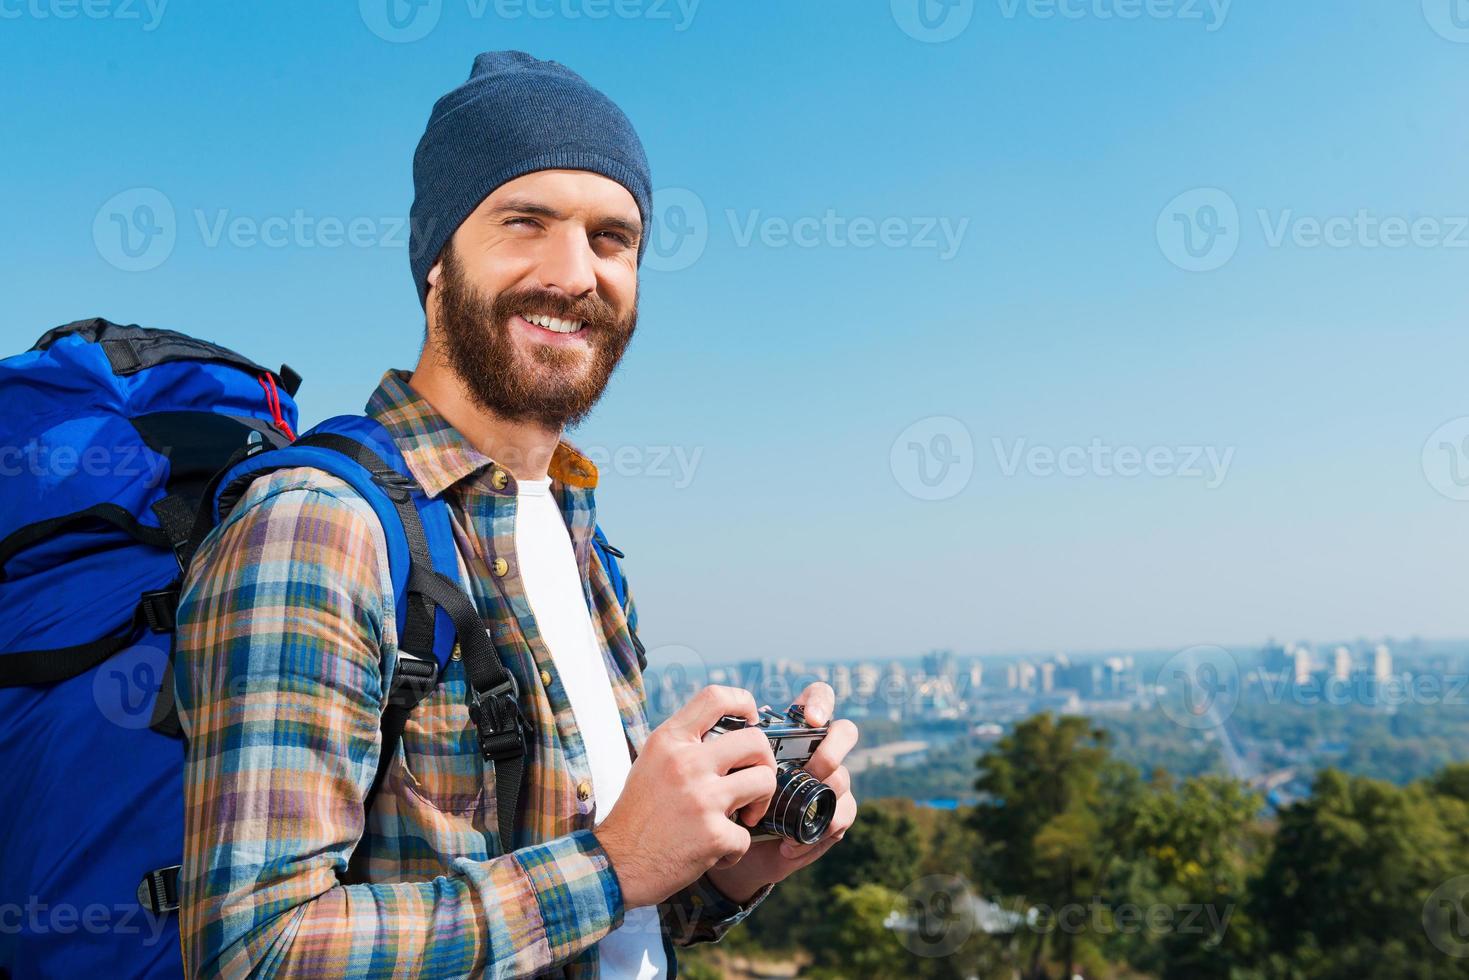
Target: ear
(435, 272)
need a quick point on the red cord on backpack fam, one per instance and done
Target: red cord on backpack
(273, 401)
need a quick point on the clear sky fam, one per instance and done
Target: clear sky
(923, 281)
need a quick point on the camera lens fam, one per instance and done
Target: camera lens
(803, 805)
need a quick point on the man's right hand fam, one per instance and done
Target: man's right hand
(672, 822)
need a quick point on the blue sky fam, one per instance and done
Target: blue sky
(912, 303)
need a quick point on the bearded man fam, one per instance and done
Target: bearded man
(530, 218)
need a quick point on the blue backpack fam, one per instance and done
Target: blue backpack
(121, 447)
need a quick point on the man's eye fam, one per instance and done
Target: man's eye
(617, 237)
(521, 221)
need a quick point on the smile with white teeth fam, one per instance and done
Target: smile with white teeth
(552, 323)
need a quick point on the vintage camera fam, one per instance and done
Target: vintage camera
(803, 805)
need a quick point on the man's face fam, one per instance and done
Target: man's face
(534, 300)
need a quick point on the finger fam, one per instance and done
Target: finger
(843, 818)
(840, 739)
(704, 710)
(840, 782)
(748, 790)
(819, 701)
(739, 749)
(735, 843)
(804, 854)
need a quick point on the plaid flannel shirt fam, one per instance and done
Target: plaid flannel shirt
(286, 643)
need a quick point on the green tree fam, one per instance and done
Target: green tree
(1354, 874)
(1040, 818)
(861, 946)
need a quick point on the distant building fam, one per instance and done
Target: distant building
(1381, 663)
(1341, 664)
(1302, 664)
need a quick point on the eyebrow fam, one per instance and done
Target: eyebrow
(521, 205)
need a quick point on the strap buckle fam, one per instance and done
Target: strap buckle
(160, 609)
(502, 727)
(159, 889)
(397, 486)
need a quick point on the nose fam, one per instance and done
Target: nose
(567, 263)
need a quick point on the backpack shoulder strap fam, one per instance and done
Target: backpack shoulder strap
(434, 613)
(609, 556)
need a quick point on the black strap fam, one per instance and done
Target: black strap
(413, 680)
(62, 663)
(22, 538)
(494, 703)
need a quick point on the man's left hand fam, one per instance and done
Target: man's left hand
(775, 860)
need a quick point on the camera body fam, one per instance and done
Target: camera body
(803, 806)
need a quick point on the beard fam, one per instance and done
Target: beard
(553, 386)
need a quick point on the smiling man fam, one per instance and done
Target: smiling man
(529, 222)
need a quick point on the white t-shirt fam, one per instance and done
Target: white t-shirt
(553, 587)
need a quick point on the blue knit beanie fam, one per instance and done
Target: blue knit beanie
(515, 115)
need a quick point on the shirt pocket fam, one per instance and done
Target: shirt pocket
(440, 749)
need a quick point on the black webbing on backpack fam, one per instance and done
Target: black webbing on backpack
(493, 694)
(62, 663)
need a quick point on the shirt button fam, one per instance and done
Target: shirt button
(546, 677)
(457, 652)
(583, 790)
(498, 479)
(501, 566)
